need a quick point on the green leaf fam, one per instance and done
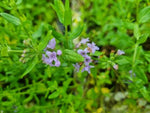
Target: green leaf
(141, 74)
(122, 61)
(145, 93)
(18, 2)
(72, 56)
(143, 39)
(149, 68)
(70, 44)
(54, 95)
(57, 35)
(67, 18)
(60, 10)
(144, 15)
(39, 32)
(76, 32)
(40, 88)
(28, 99)
(4, 51)
(31, 66)
(67, 15)
(44, 42)
(97, 53)
(136, 31)
(12, 19)
(147, 57)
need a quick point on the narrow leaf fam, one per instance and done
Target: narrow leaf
(12, 19)
(71, 56)
(57, 35)
(67, 18)
(39, 32)
(19, 2)
(45, 41)
(4, 51)
(67, 15)
(143, 39)
(76, 32)
(141, 74)
(144, 15)
(59, 8)
(136, 31)
(54, 95)
(31, 66)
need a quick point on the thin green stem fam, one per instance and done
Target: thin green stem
(137, 9)
(66, 35)
(136, 44)
(15, 51)
(134, 55)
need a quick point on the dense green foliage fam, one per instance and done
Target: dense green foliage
(116, 84)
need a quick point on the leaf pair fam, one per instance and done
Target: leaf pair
(63, 13)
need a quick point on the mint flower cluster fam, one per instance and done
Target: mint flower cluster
(50, 56)
(90, 48)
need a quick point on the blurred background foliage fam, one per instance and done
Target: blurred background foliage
(111, 24)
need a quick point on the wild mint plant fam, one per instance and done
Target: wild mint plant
(46, 65)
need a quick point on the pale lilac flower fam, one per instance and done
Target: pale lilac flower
(24, 51)
(45, 59)
(77, 67)
(48, 53)
(84, 41)
(83, 52)
(51, 44)
(92, 47)
(52, 56)
(87, 60)
(23, 55)
(57, 63)
(59, 52)
(120, 52)
(115, 67)
(87, 68)
(132, 74)
(78, 45)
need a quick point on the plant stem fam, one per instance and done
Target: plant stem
(136, 44)
(15, 51)
(66, 35)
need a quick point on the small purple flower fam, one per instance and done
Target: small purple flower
(59, 52)
(120, 52)
(87, 60)
(77, 67)
(83, 52)
(52, 56)
(87, 68)
(57, 63)
(132, 74)
(23, 55)
(45, 59)
(51, 44)
(24, 51)
(115, 67)
(84, 41)
(77, 45)
(92, 47)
